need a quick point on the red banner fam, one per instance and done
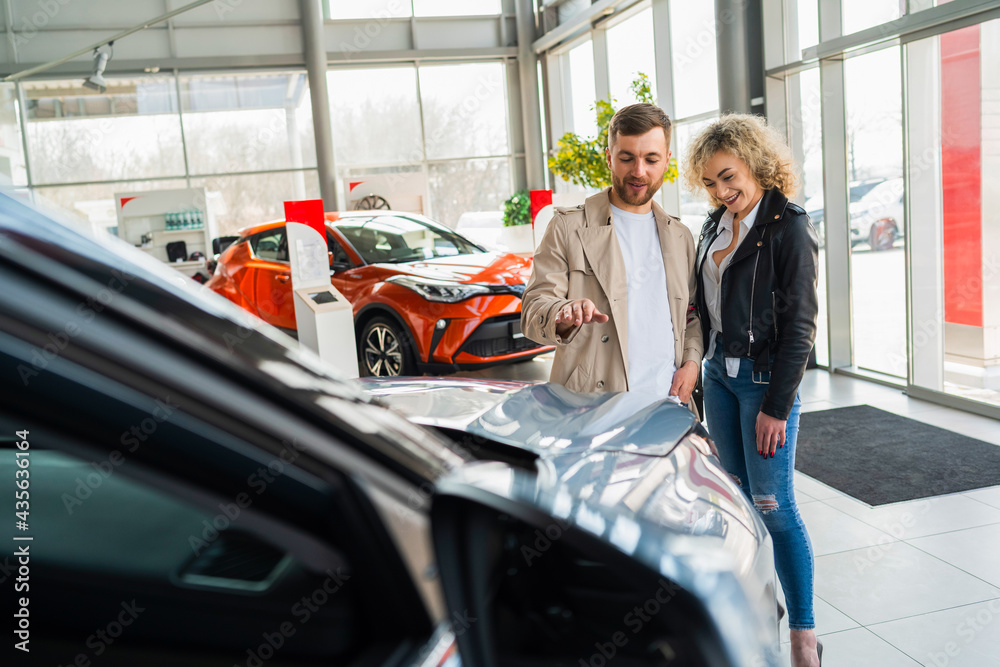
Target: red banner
(308, 212)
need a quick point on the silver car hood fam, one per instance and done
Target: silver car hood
(543, 418)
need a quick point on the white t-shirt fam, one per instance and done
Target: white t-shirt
(650, 329)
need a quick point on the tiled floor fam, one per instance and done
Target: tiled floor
(915, 583)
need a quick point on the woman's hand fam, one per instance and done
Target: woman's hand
(770, 434)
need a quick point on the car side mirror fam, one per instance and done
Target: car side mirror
(337, 267)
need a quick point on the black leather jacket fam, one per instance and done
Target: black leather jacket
(769, 302)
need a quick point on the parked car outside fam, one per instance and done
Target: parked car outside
(425, 298)
(877, 218)
(817, 212)
(219, 496)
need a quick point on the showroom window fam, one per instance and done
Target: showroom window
(376, 115)
(464, 109)
(431, 139)
(877, 225)
(694, 205)
(247, 123)
(583, 90)
(692, 45)
(369, 9)
(806, 139)
(456, 7)
(249, 199)
(374, 9)
(130, 131)
(460, 186)
(631, 51)
(861, 14)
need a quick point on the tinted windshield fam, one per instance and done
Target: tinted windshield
(396, 239)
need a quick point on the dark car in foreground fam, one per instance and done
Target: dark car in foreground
(198, 490)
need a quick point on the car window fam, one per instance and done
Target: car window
(340, 255)
(173, 576)
(272, 245)
(396, 239)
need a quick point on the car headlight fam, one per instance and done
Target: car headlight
(444, 291)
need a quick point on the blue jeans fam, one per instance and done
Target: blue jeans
(731, 407)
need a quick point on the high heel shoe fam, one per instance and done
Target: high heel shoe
(819, 652)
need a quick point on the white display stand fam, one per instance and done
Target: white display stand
(143, 218)
(323, 317)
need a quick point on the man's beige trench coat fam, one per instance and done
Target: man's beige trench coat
(579, 257)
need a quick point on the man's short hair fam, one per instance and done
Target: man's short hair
(636, 119)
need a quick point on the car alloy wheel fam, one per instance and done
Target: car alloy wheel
(383, 350)
(383, 354)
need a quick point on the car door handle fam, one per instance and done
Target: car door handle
(282, 278)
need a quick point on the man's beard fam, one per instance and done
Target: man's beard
(623, 191)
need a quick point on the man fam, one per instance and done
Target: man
(613, 283)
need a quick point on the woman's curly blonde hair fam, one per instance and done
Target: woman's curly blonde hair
(750, 139)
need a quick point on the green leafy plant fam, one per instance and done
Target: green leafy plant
(581, 160)
(517, 209)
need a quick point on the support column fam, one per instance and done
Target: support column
(602, 80)
(530, 109)
(732, 51)
(315, 57)
(924, 229)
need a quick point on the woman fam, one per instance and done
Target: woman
(758, 305)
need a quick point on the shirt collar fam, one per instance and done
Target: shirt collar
(727, 218)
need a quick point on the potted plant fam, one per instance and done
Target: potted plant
(582, 161)
(516, 234)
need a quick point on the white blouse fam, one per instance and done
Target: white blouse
(712, 279)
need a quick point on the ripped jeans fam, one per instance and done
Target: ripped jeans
(731, 407)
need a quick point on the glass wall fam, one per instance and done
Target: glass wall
(249, 138)
(861, 14)
(631, 51)
(806, 136)
(77, 135)
(876, 213)
(439, 133)
(375, 9)
(583, 89)
(252, 123)
(692, 46)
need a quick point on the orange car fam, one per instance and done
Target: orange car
(425, 298)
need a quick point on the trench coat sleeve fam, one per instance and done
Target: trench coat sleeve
(548, 287)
